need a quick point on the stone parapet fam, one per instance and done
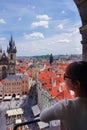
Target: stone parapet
(82, 8)
(78, 2)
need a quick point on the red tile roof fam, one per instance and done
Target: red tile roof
(54, 83)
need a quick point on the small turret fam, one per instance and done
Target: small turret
(0, 49)
(4, 58)
(0, 52)
(51, 59)
(11, 48)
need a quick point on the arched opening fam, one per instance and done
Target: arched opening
(14, 95)
(11, 56)
(25, 93)
(4, 72)
(82, 8)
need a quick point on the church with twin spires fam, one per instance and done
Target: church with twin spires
(8, 63)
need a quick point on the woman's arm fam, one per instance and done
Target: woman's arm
(58, 111)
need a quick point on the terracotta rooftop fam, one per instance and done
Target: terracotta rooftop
(54, 83)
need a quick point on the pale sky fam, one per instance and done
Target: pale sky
(40, 27)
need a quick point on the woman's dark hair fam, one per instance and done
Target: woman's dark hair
(77, 71)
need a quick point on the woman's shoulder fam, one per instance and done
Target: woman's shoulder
(78, 101)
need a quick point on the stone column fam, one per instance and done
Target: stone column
(82, 8)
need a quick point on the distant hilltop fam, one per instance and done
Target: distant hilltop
(56, 57)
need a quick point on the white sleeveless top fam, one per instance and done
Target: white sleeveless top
(72, 112)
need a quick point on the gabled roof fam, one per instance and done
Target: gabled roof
(54, 83)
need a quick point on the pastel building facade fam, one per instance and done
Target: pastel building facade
(14, 85)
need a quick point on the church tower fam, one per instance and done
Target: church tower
(0, 52)
(11, 50)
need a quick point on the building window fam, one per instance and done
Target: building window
(4, 73)
(11, 57)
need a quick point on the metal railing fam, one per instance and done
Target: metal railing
(26, 123)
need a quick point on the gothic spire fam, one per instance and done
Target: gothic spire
(0, 49)
(12, 47)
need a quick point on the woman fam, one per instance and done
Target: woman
(72, 112)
